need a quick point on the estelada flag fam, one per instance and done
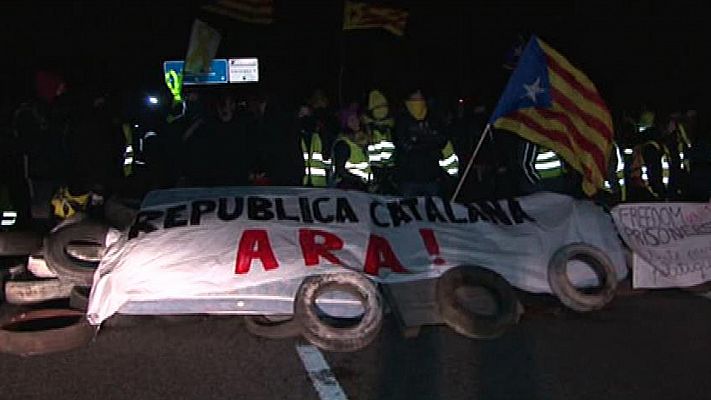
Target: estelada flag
(249, 11)
(551, 103)
(367, 16)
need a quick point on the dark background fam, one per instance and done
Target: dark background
(638, 53)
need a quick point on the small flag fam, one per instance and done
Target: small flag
(202, 48)
(550, 102)
(249, 11)
(366, 16)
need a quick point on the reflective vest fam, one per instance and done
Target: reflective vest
(315, 166)
(683, 146)
(128, 153)
(449, 160)
(9, 215)
(381, 148)
(66, 204)
(619, 171)
(357, 163)
(548, 164)
(638, 172)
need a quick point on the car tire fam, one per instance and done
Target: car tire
(67, 267)
(473, 323)
(271, 328)
(36, 291)
(563, 288)
(27, 334)
(19, 243)
(335, 338)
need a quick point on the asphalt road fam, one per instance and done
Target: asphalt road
(651, 346)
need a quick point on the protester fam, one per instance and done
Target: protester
(419, 140)
(279, 155)
(647, 172)
(380, 125)
(316, 162)
(221, 150)
(700, 160)
(350, 157)
(41, 127)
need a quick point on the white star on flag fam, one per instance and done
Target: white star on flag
(533, 89)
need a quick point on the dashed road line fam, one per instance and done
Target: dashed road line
(320, 373)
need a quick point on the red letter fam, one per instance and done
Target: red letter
(380, 254)
(254, 244)
(312, 250)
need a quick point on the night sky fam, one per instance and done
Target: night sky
(637, 52)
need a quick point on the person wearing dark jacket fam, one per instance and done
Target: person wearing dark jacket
(221, 151)
(279, 156)
(419, 140)
(700, 162)
(41, 128)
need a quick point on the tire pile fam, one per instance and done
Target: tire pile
(474, 301)
(51, 276)
(59, 271)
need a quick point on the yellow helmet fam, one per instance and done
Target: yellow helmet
(378, 105)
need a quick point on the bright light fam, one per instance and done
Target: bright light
(152, 100)
(461, 100)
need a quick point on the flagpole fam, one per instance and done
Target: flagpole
(341, 68)
(487, 129)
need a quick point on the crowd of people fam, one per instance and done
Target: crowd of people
(62, 145)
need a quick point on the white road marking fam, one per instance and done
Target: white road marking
(320, 373)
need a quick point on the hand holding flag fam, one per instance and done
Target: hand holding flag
(550, 102)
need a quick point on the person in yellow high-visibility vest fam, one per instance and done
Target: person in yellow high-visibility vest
(350, 158)
(381, 148)
(675, 167)
(449, 161)
(647, 171)
(380, 127)
(316, 164)
(128, 152)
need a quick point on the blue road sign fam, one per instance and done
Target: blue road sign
(217, 74)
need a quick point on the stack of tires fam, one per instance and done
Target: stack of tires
(47, 297)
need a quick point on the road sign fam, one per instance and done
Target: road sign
(244, 70)
(218, 73)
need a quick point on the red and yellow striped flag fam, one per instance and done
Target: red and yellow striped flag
(249, 11)
(550, 102)
(366, 16)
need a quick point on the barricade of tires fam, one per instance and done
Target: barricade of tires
(60, 268)
(475, 302)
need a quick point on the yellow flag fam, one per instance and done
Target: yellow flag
(202, 48)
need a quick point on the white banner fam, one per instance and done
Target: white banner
(671, 242)
(217, 243)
